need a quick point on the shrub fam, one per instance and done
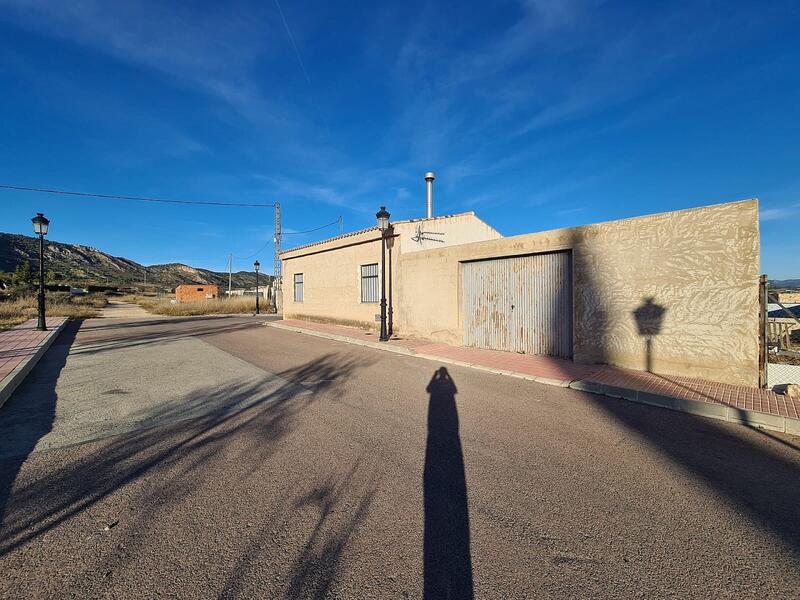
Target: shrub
(217, 306)
(58, 304)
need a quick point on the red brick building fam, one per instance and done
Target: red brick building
(189, 292)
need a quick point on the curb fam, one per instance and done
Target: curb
(347, 340)
(721, 412)
(17, 376)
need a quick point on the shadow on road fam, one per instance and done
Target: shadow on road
(759, 478)
(762, 480)
(179, 452)
(447, 558)
(36, 418)
(128, 334)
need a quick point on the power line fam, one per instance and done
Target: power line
(135, 198)
(336, 222)
(254, 253)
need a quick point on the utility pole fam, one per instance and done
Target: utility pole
(230, 269)
(276, 268)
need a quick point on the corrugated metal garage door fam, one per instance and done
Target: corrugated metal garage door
(520, 304)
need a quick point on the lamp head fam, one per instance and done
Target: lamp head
(40, 224)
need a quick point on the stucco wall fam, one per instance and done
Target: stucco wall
(789, 297)
(332, 281)
(701, 265)
(465, 228)
(332, 269)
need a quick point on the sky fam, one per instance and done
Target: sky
(535, 114)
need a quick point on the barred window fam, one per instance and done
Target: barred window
(298, 287)
(369, 283)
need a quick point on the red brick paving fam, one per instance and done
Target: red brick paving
(22, 341)
(738, 396)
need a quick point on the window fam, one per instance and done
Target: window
(298, 287)
(369, 283)
(199, 289)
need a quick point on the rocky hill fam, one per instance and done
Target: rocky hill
(785, 283)
(83, 265)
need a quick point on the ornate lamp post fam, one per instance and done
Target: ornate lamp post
(257, 265)
(389, 244)
(383, 224)
(40, 225)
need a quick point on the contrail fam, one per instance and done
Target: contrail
(291, 40)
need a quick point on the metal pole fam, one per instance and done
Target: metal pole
(763, 358)
(41, 326)
(384, 337)
(391, 308)
(230, 268)
(257, 311)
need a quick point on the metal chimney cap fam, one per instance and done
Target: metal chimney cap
(429, 176)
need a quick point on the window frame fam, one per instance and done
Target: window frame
(370, 278)
(295, 287)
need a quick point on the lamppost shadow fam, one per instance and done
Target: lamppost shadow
(649, 317)
(447, 558)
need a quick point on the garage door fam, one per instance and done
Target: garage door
(520, 304)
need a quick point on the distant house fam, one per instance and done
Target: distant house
(263, 291)
(193, 292)
(789, 297)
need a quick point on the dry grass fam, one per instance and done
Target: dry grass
(218, 306)
(14, 312)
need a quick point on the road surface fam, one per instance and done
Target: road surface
(216, 457)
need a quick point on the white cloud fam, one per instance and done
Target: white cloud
(778, 214)
(215, 51)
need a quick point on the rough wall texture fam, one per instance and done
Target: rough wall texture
(685, 280)
(194, 293)
(789, 297)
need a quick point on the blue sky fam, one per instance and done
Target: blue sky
(535, 114)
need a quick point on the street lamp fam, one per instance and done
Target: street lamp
(40, 225)
(257, 265)
(383, 224)
(389, 244)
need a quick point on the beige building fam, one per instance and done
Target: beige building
(675, 293)
(789, 297)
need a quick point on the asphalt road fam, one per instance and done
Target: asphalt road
(217, 457)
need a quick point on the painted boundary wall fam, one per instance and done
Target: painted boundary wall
(701, 266)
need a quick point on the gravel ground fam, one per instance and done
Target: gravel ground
(362, 474)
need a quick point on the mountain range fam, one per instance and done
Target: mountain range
(82, 265)
(785, 283)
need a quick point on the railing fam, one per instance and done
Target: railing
(779, 332)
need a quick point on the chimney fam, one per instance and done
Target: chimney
(429, 192)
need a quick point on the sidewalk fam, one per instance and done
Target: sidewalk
(735, 403)
(21, 348)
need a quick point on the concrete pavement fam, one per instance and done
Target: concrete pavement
(116, 309)
(362, 474)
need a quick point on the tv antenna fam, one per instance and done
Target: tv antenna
(422, 236)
